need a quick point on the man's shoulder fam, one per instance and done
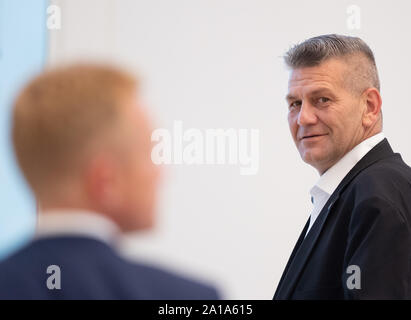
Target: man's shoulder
(93, 264)
(385, 181)
(169, 284)
(383, 175)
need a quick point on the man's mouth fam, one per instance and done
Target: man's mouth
(311, 136)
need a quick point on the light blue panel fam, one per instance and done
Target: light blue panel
(23, 37)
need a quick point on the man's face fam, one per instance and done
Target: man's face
(325, 115)
(139, 175)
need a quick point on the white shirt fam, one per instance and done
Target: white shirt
(76, 223)
(329, 181)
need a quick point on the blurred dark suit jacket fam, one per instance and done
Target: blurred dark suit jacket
(90, 269)
(367, 223)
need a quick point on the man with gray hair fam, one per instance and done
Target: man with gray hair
(357, 242)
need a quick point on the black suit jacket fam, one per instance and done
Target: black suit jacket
(366, 223)
(90, 269)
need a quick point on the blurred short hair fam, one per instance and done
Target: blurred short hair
(312, 52)
(61, 112)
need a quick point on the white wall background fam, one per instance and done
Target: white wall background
(217, 64)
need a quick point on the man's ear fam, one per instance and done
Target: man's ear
(372, 112)
(102, 183)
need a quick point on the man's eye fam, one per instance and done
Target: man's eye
(295, 104)
(323, 100)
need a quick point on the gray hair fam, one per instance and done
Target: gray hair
(314, 51)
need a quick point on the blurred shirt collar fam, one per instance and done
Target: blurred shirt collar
(76, 223)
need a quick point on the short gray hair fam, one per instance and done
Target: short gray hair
(316, 50)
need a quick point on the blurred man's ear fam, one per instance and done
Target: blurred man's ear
(103, 183)
(373, 102)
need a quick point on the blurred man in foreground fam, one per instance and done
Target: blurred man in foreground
(83, 143)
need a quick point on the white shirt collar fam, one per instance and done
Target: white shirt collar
(330, 180)
(76, 223)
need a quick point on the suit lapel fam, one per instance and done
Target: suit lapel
(296, 247)
(304, 246)
(302, 253)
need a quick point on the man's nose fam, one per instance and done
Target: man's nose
(307, 115)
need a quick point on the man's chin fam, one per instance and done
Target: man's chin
(313, 158)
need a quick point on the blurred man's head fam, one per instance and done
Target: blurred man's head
(82, 141)
(333, 97)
